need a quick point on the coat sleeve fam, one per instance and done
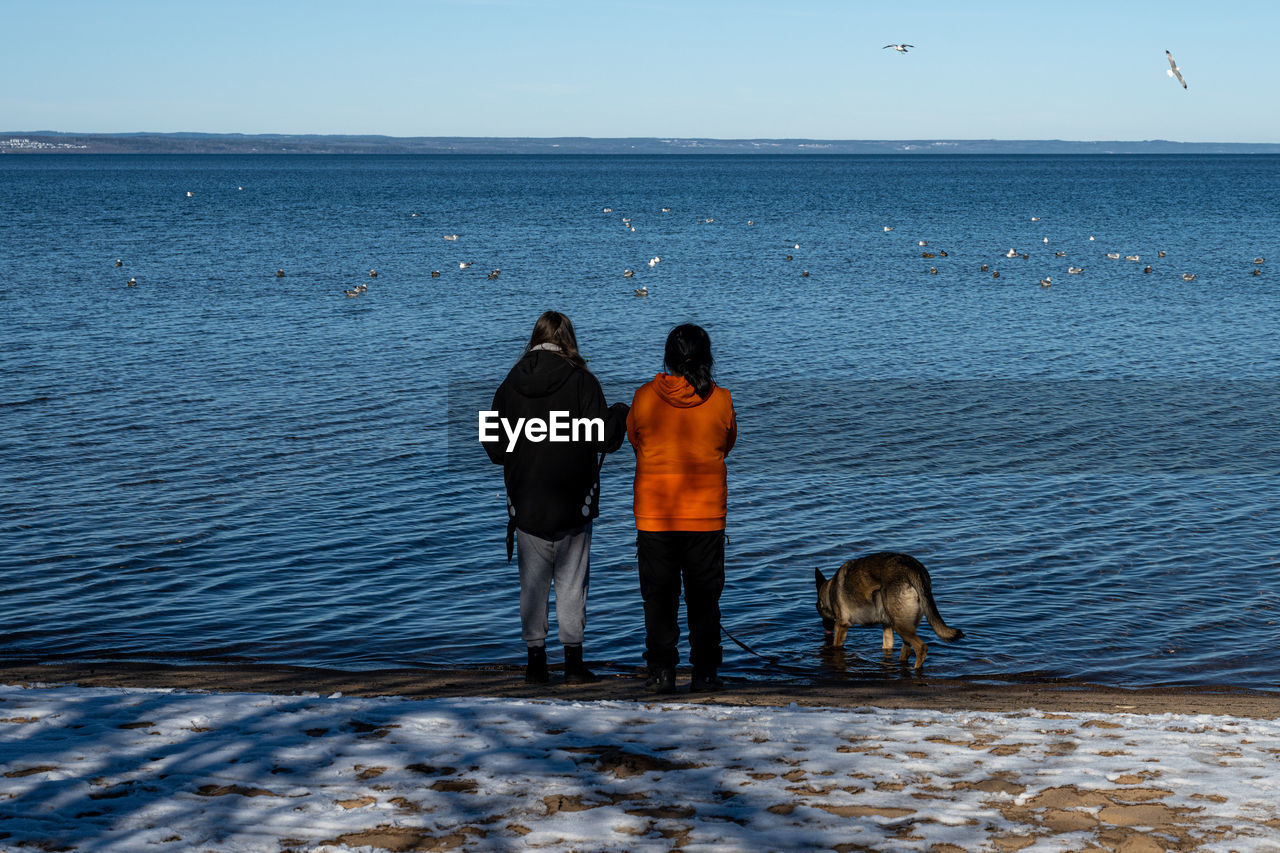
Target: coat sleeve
(614, 417)
(633, 430)
(615, 426)
(732, 438)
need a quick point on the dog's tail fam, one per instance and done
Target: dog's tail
(924, 588)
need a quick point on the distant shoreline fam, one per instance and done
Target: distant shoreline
(53, 142)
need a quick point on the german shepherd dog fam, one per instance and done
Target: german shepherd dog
(887, 589)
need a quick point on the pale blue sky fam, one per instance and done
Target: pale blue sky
(805, 68)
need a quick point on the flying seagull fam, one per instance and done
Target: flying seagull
(1174, 70)
(900, 48)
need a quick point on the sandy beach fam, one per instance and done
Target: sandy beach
(245, 758)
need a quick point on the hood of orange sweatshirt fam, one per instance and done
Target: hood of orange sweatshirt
(677, 391)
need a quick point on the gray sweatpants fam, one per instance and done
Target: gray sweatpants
(566, 561)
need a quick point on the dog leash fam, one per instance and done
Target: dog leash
(745, 647)
(773, 661)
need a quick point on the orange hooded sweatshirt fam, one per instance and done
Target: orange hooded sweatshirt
(681, 441)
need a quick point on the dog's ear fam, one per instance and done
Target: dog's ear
(818, 578)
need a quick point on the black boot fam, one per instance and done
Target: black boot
(575, 671)
(705, 682)
(536, 671)
(705, 663)
(661, 680)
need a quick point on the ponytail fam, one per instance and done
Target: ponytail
(688, 354)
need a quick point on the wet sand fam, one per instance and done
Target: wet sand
(923, 692)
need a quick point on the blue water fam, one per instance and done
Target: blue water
(219, 464)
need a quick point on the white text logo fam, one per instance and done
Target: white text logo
(559, 427)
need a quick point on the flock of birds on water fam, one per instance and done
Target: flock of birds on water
(643, 291)
(926, 252)
(1015, 254)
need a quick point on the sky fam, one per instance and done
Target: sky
(651, 68)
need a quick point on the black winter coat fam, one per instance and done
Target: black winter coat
(553, 487)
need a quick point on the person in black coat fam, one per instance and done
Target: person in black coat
(549, 428)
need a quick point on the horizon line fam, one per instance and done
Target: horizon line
(659, 137)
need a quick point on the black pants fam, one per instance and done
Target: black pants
(666, 558)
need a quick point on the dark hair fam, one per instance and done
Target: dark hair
(554, 328)
(688, 354)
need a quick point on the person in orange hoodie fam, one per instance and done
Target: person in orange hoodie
(682, 426)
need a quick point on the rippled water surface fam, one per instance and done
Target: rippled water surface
(219, 464)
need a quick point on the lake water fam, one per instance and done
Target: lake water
(223, 465)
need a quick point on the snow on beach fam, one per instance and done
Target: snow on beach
(108, 769)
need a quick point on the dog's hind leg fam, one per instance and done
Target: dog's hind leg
(911, 642)
(887, 644)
